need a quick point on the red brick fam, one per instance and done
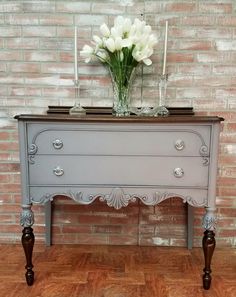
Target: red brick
(196, 45)
(77, 229)
(62, 238)
(40, 56)
(22, 43)
(10, 228)
(214, 33)
(216, 8)
(65, 218)
(115, 9)
(6, 198)
(52, 19)
(228, 137)
(193, 92)
(214, 57)
(4, 135)
(227, 191)
(40, 31)
(93, 219)
(10, 7)
(122, 219)
(228, 212)
(123, 240)
(227, 20)
(25, 91)
(8, 146)
(225, 201)
(10, 55)
(56, 92)
(57, 68)
(24, 67)
(107, 229)
(180, 57)
(11, 167)
(180, 7)
(6, 218)
(4, 178)
(199, 20)
(212, 81)
(227, 233)
(224, 223)
(92, 239)
(73, 7)
(181, 32)
(39, 6)
(227, 181)
(9, 188)
(10, 31)
(202, 104)
(21, 19)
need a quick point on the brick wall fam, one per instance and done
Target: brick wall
(36, 70)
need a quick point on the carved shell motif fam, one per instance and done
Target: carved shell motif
(117, 198)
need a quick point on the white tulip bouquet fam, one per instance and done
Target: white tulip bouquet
(122, 48)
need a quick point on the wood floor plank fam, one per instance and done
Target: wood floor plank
(116, 271)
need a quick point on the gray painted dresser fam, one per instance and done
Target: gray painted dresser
(119, 161)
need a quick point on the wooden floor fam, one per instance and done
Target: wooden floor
(115, 271)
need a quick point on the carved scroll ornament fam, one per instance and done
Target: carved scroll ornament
(117, 198)
(27, 216)
(210, 219)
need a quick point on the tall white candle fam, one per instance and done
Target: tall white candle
(165, 49)
(76, 54)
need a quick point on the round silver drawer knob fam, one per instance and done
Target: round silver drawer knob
(57, 144)
(58, 171)
(179, 144)
(178, 172)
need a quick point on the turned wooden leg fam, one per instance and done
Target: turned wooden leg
(28, 244)
(208, 244)
(27, 220)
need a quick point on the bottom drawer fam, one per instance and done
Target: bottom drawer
(118, 170)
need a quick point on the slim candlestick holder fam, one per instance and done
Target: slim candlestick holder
(161, 110)
(77, 109)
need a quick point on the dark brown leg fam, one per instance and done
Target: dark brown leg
(28, 244)
(208, 244)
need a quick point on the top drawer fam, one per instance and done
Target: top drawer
(95, 139)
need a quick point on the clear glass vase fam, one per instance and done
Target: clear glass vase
(77, 109)
(122, 85)
(161, 110)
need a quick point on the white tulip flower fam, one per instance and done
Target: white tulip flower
(147, 30)
(126, 26)
(98, 40)
(119, 21)
(102, 56)
(110, 44)
(142, 54)
(152, 40)
(147, 62)
(105, 30)
(116, 32)
(118, 43)
(87, 52)
(127, 42)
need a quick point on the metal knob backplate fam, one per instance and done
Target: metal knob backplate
(179, 144)
(57, 144)
(58, 171)
(178, 172)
